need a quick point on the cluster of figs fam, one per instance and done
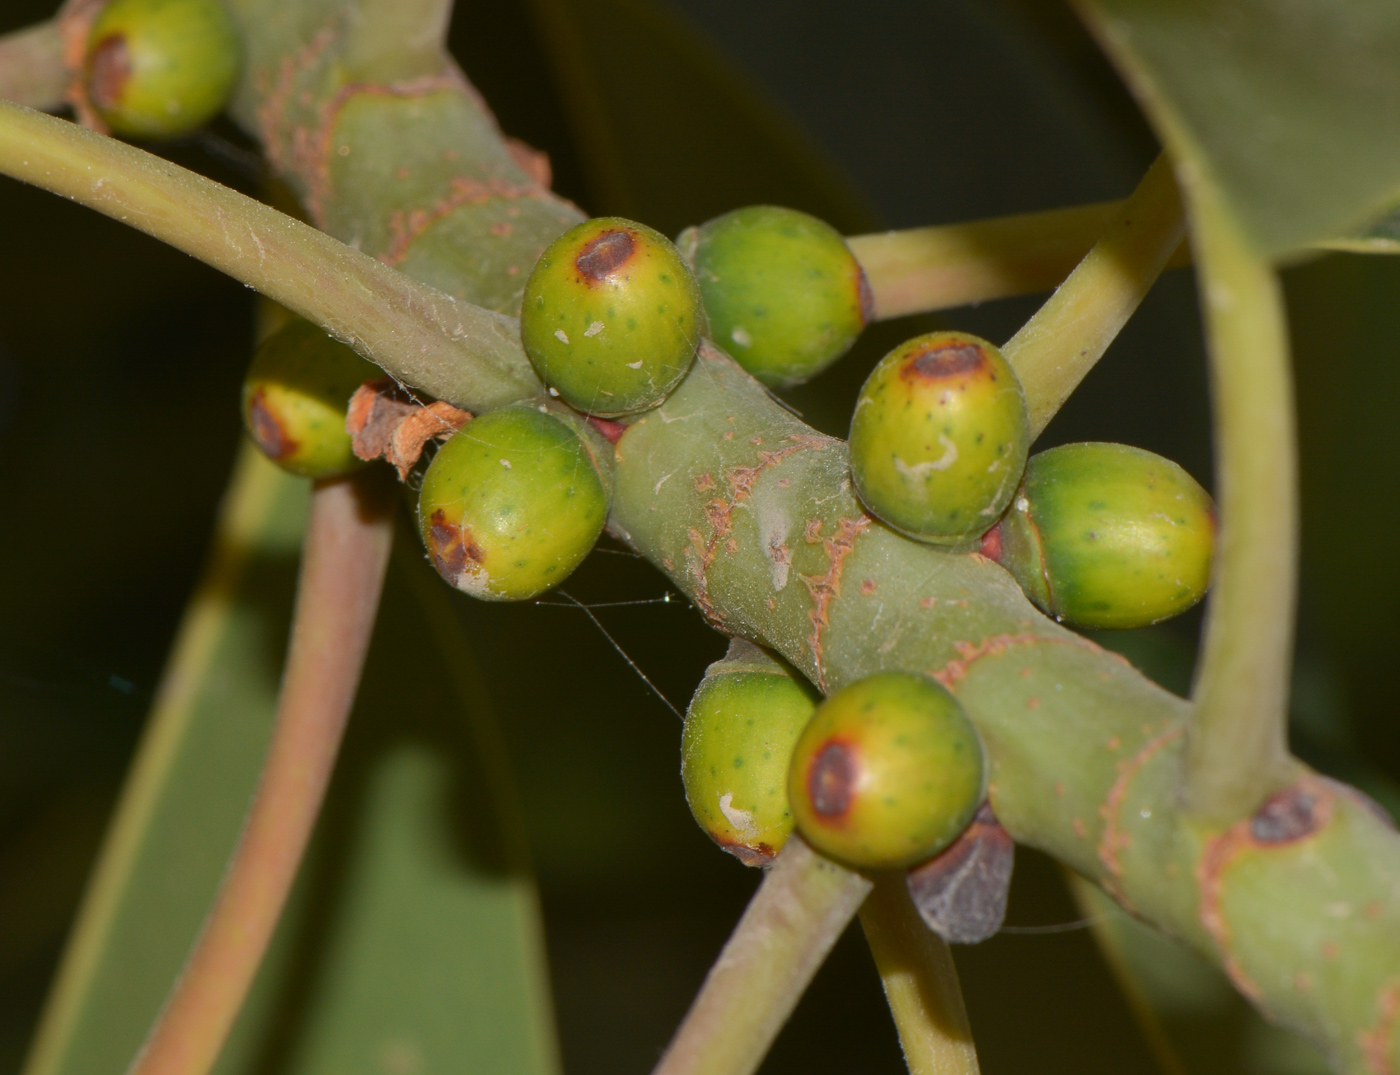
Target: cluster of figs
(887, 771)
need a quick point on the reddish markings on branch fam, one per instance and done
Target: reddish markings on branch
(312, 148)
(719, 512)
(407, 227)
(1114, 838)
(271, 112)
(1378, 1043)
(969, 653)
(1288, 817)
(826, 587)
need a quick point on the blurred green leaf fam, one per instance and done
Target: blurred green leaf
(413, 940)
(1292, 106)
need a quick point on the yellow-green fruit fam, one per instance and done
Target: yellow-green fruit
(1104, 535)
(161, 68)
(888, 772)
(740, 730)
(611, 317)
(511, 504)
(939, 437)
(295, 397)
(783, 293)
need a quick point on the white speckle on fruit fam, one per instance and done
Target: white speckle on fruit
(740, 819)
(635, 365)
(739, 336)
(593, 329)
(560, 336)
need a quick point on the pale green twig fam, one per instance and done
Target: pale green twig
(921, 983)
(794, 918)
(1236, 752)
(348, 539)
(1059, 345)
(32, 70)
(459, 352)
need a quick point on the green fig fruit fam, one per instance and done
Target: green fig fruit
(513, 502)
(740, 730)
(295, 397)
(783, 293)
(161, 68)
(611, 317)
(939, 437)
(1107, 536)
(888, 772)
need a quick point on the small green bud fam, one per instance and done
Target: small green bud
(161, 68)
(1104, 535)
(513, 503)
(888, 772)
(295, 397)
(611, 317)
(939, 437)
(783, 292)
(739, 733)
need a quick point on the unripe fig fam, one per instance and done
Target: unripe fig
(295, 397)
(939, 437)
(783, 293)
(739, 733)
(611, 317)
(1104, 535)
(888, 772)
(513, 503)
(161, 68)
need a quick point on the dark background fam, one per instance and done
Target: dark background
(120, 362)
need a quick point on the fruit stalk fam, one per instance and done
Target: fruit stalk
(798, 912)
(32, 70)
(1098, 297)
(466, 355)
(1236, 750)
(920, 981)
(346, 553)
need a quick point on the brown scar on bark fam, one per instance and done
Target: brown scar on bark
(1288, 817)
(267, 430)
(719, 512)
(1114, 839)
(1377, 1044)
(826, 587)
(533, 162)
(867, 587)
(970, 653)
(272, 111)
(384, 421)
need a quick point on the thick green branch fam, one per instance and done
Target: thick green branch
(921, 983)
(347, 551)
(798, 912)
(469, 356)
(32, 70)
(1236, 751)
(1059, 345)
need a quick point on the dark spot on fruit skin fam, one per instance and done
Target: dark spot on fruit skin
(605, 254)
(867, 297)
(944, 361)
(1287, 816)
(450, 547)
(108, 71)
(267, 430)
(831, 780)
(748, 854)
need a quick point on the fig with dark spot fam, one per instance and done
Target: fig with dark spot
(295, 397)
(513, 503)
(939, 437)
(1108, 536)
(611, 317)
(887, 773)
(161, 68)
(740, 730)
(783, 293)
